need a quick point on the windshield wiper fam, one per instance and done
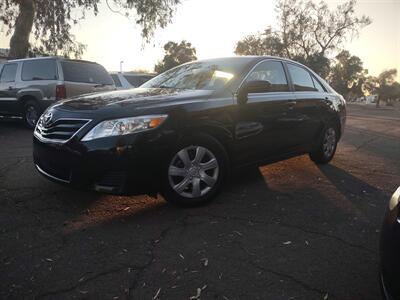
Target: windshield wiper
(100, 85)
(165, 87)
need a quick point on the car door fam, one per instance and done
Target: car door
(263, 125)
(309, 93)
(8, 91)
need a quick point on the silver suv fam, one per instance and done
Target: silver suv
(29, 86)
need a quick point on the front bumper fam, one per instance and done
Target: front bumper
(118, 165)
(390, 250)
(384, 290)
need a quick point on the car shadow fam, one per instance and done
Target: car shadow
(252, 234)
(348, 184)
(262, 237)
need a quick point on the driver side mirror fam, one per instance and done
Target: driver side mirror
(256, 86)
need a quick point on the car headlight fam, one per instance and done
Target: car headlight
(394, 201)
(124, 126)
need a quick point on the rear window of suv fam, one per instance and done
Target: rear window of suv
(85, 73)
(44, 69)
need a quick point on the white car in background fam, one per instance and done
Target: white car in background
(129, 80)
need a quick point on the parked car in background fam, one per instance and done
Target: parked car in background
(129, 80)
(181, 132)
(390, 250)
(29, 86)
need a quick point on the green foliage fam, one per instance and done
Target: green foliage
(266, 43)
(175, 55)
(384, 85)
(307, 32)
(54, 19)
(347, 74)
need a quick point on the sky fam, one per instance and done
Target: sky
(214, 26)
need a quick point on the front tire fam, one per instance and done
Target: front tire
(195, 171)
(326, 148)
(31, 113)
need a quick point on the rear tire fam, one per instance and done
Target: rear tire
(195, 171)
(31, 113)
(327, 145)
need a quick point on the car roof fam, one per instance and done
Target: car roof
(50, 57)
(248, 59)
(133, 73)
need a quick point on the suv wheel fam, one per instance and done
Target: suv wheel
(195, 171)
(31, 113)
(327, 146)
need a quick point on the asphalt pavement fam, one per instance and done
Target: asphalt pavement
(289, 230)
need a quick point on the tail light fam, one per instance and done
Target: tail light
(61, 92)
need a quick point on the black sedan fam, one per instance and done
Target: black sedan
(183, 131)
(390, 250)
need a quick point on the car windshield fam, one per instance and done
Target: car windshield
(196, 76)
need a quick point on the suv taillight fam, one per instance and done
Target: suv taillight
(61, 92)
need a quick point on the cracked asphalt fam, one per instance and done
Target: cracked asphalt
(290, 230)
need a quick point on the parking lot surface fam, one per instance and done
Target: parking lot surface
(290, 230)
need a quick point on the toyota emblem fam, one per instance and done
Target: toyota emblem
(47, 118)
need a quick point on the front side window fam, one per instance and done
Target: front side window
(301, 78)
(45, 69)
(272, 72)
(8, 73)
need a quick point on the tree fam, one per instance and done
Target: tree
(266, 43)
(384, 86)
(347, 75)
(307, 31)
(51, 21)
(175, 55)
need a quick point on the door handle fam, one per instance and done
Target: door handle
(291, 103)
(10, 87)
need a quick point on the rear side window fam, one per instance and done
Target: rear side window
(8, 73)
(137, 80)
(271, 71)
(301, 78)
(44, 69)
(85, 73)
(116, 80)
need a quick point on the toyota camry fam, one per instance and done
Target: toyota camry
(181, 133)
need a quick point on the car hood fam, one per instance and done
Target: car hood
(131, 99)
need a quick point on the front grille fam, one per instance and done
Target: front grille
(60, 130)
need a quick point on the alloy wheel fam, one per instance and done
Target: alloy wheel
(193, 171)
(329, 143)
(31, 115)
